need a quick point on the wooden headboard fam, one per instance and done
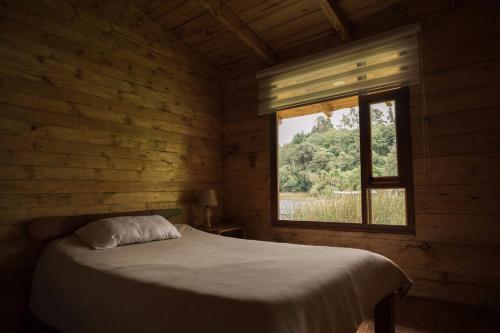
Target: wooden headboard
(52, 227)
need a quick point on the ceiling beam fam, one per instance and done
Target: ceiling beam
(334, 15)
(327, 110)
(227, 17)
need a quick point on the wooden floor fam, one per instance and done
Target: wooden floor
(418, 315)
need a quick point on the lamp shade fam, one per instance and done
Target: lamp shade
(207, 198)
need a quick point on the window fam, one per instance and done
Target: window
(344, 163)
(337, 160)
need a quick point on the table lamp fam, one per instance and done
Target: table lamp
(207, 199)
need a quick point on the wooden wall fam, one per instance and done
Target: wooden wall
(103, 111)
(100, 111)
(455, 253)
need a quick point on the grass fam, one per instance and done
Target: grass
(388, 207)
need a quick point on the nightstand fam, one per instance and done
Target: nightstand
(230, 230)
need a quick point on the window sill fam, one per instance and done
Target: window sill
(356, 227)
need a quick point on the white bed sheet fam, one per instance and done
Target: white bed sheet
(208, 283)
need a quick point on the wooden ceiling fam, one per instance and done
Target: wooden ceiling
(225, 31)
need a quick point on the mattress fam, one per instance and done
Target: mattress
(209, 283)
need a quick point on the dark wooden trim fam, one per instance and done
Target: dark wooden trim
(365, 159)
(273, 139)
(404, 133)
(404, 180)
(401, 111)
(389, 184)
(34, 325)
(384, 315)
(343, 226)
(227, 229)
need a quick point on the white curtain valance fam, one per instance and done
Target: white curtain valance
(389, 60)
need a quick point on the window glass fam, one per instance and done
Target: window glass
(319, 167)
(337, 161)
(383, 139)
(387, 206)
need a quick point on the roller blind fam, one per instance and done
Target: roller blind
(389, 60)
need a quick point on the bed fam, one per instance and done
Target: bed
(208, 283)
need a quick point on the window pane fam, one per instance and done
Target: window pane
(388, 206)
(319, 166)
(383, 139)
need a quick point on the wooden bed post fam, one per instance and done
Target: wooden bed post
(385, 316)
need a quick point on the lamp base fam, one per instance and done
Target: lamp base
(208, 217)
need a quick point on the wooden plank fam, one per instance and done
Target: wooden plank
(94, 36)
(246, 143)
(234, 24)
(455, 199)
(162, 156)
(37, 158)
(242, 162)
(284, 13)
(52, 200)
(13, 231)
(24, 215)
(299, 39)
(279, 32)
(461, 122)
(474, 143)
(458, 228)
(457, 170)
(157, 129)
(247, 180)
(255, 124)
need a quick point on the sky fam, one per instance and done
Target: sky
(291, 126)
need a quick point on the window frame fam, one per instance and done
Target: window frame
(404, 179)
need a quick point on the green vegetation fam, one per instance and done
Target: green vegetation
(339, 208)
(325, 162)
(387, 207)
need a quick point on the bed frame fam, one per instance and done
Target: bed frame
(384, 315)
(53, 227)
(384, 318)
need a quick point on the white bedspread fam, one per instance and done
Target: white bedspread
(208, 283)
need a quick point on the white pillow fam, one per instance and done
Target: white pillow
(110, 232)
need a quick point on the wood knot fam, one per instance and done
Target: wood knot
(40, 59)
(425, 246)
(235, 147)
(78, 74)
(253, 160)
(46, 79)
